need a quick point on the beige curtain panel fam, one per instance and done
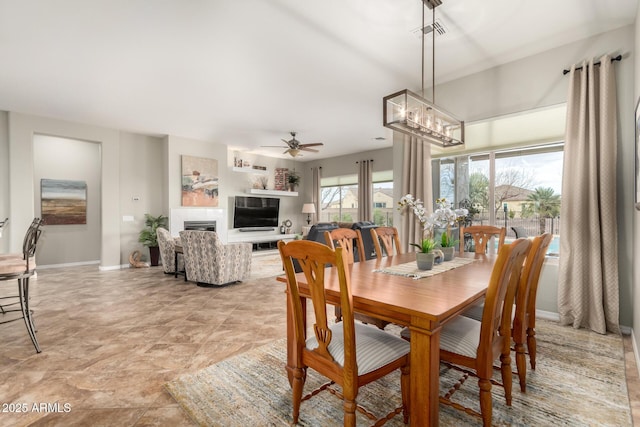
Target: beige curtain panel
(316, 192)
(416, 180)
(365, 190)
(588, 292)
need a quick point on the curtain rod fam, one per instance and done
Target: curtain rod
(364, 161)
(617, 58)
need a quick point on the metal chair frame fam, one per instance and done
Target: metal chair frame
(28, 250)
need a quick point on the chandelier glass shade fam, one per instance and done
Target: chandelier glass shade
(411, 114)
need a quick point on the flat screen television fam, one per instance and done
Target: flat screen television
(255, 212)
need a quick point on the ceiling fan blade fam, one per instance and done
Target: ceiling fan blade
(272, 146)
(313, 150)
(286, 151)
(315, 144)
(289, 143)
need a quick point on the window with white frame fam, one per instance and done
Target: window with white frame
(511, 188)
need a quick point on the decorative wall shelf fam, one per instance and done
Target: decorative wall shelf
(271, 192)
(251, 170)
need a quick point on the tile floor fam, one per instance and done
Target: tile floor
(110, 340)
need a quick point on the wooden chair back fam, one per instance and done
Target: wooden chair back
(389, 238)
(349, 240)
(481, 235)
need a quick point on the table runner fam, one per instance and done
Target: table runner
(410, 269)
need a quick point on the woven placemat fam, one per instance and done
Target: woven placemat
(410, 269)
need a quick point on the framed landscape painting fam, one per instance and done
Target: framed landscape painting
(199, 181)
(63, 202)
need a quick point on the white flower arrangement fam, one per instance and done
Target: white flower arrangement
(443, 217)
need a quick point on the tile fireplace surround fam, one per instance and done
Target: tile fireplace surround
(179, 215)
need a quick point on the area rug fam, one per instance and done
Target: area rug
(266, 264)
(579, 381)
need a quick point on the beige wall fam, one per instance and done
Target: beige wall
(22, 127)
(4, 179)
(69, 159)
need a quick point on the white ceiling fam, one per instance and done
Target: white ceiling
(246, 72)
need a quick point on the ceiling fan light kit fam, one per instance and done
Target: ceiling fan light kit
(411, 114)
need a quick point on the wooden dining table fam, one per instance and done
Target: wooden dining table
(424, 305)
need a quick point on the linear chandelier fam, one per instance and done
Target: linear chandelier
(413, 115)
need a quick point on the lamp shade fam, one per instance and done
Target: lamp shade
(309, 208)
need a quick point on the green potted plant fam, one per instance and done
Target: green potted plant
(447, 245)
(148, 236)
(293, 179)
(426, 256)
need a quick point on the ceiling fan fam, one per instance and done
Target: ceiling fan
(295, 147)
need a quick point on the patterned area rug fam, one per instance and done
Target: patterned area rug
(266, 264)
(579, 381)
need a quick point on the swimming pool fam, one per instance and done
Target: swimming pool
(554, 246)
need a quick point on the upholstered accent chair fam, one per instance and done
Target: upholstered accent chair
(209, 262)
(167, 245)
(348, 353)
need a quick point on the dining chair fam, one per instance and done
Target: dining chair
(19, 256)
(348, 239)
(21, 269)
(472, 346)
(524, 312)
(481, 234)
(351, 241)
(529, 322)
(389, 238)
(348, 353)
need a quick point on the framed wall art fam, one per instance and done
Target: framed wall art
(199, 181)
(63, 202)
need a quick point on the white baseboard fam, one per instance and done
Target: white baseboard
(68, 264)
(636, 355)
(113, 267)
(547, 315)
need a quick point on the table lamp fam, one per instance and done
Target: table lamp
(308, 208)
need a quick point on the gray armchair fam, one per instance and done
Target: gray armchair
(167, 245)
(210, 262)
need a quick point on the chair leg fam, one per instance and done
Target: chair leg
(521, 365)
(531, 346)
(338, 312)
(297, 387)
(507, 380)
(485, 401)
(349, 412)
(405, 386)
(23, 287)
